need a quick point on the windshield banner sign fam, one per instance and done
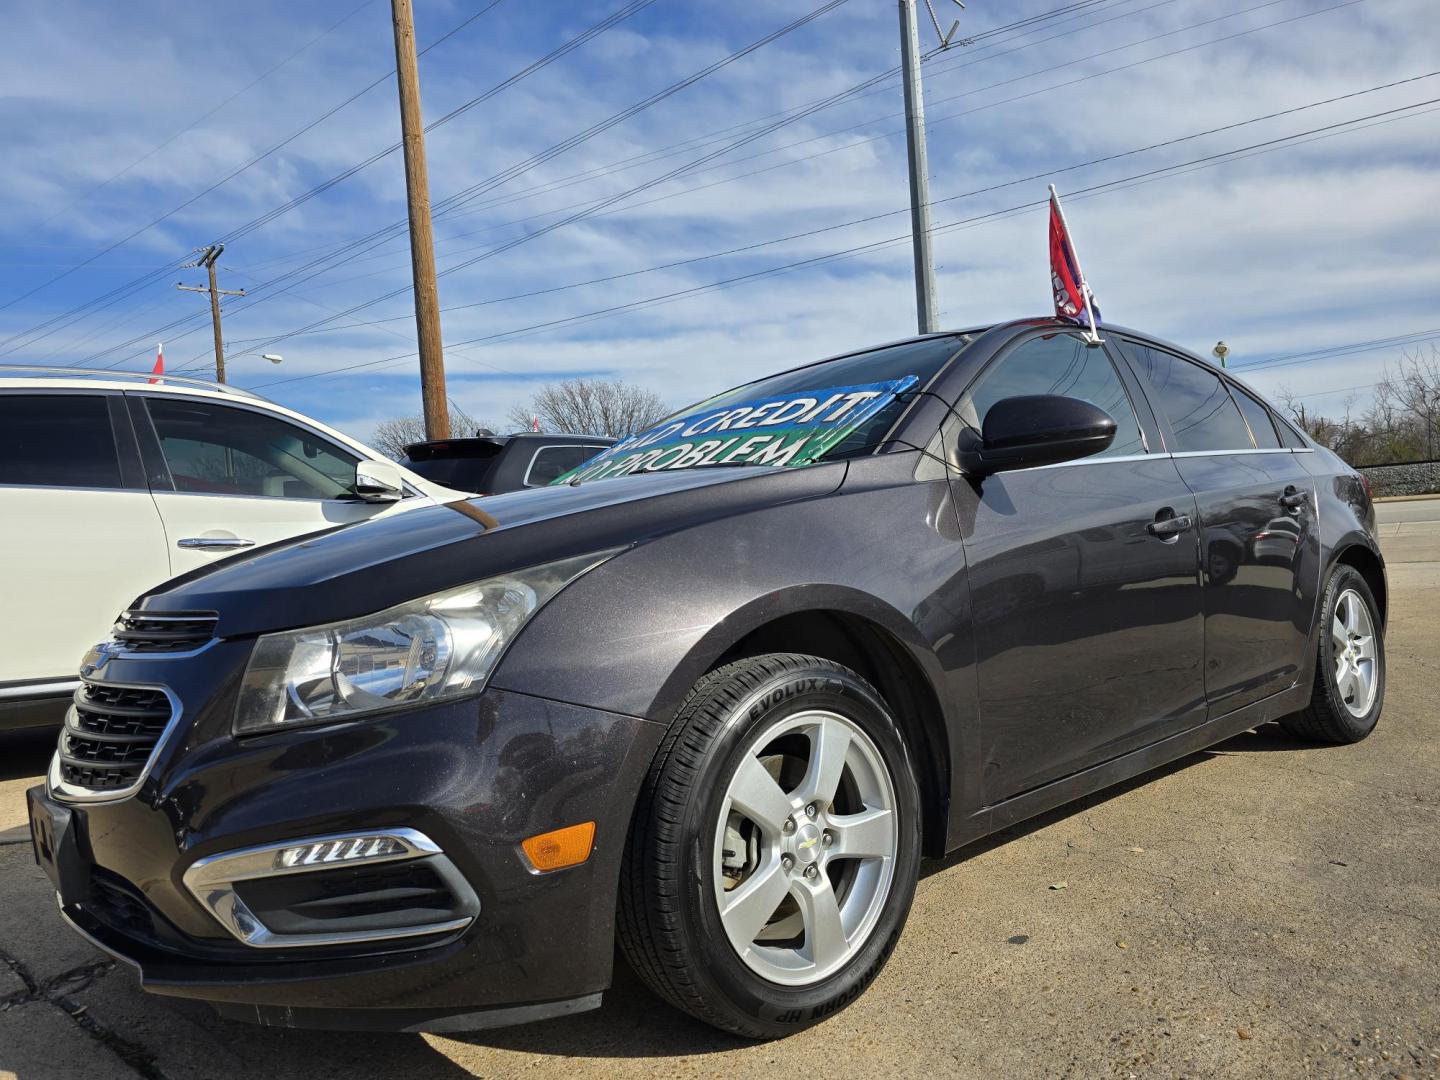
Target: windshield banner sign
(786, 429)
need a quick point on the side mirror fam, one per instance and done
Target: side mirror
(379, 481)
(1036, 429)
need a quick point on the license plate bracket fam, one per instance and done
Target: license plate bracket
(55, 842)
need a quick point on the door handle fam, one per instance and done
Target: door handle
(1168, 525)
(1294, 499)
(214, 543)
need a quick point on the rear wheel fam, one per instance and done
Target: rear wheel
(1349, 686)
(775, 847)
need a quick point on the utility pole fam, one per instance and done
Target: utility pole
(422, 239)
(925, 306)
(207, 260)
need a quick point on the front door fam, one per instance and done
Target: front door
(1257, 520)
(228, 479)
(1088, 628)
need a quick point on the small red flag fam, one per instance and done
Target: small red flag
(535, 423)
(1073, 298)
(159, 368)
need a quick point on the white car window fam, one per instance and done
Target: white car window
(57, 440)
(218, 449)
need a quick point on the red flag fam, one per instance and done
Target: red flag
(1073, 298)
(159, 368)
(535, 423)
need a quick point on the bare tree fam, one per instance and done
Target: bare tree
(611, 408)
(1413, 390)
(1402, 423)
(392, 436)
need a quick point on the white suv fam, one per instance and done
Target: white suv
(110, 483)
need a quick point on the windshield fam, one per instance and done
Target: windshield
(822, 412)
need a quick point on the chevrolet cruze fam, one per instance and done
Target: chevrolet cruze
(711, 694)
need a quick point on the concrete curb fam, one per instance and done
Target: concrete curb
(1406, 498)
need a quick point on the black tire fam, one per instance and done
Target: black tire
(1327, 718)
(669, 923)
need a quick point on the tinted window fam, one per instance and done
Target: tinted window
(1288, 435)
(551, 461)
(1058, 364)
(1202, 414)
(51, 440)
(1258, 417)
(228, 451)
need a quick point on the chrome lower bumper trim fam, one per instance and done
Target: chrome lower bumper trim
(212, 880)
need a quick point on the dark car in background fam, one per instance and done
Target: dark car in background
(491, 464)
(711, 695)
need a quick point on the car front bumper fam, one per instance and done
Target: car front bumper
(475, 777)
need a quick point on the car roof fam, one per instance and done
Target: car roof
(35, 376)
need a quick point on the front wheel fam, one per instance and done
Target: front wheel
(1349, 688)
(775, 847)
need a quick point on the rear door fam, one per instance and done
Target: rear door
(80, 536)
(228, 478)
(1257, 519)
(1087, 624)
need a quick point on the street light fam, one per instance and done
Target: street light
(274, 358)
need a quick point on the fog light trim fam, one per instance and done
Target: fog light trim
(212, 880)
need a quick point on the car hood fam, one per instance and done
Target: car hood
(358, 569)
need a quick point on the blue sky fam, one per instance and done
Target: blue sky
(116, 115)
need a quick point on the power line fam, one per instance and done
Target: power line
(219, 183)
(1092, 191)
(575, 42)
(494, 181)
(596, 129)
(789, 162)
(593, 209)
(720, 134)
(206, 115)
(1049, 173)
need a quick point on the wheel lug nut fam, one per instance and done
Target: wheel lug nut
(787, 861)
(789, 826)
(827, 839)
(810, 810)
(812, 871)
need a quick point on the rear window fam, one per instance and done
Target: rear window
(466, 466)
(54, 440)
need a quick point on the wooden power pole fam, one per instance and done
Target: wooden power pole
(207, 260)
(422, 238)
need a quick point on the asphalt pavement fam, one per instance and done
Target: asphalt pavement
(1266, 908)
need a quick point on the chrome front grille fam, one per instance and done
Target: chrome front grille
(164, 631)
(110, 736)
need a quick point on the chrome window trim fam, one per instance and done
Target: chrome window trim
(1232, 453)
(49, 688)
(211, 881)
(88, 488)
(1097, 460)
(58, 789)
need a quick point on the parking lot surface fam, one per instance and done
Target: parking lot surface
(1265, 908)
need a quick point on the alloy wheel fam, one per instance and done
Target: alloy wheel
(804, 847)
(1356, 663)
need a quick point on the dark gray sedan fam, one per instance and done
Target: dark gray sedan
(713, 693)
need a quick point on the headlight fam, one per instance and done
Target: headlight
(437, 647)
